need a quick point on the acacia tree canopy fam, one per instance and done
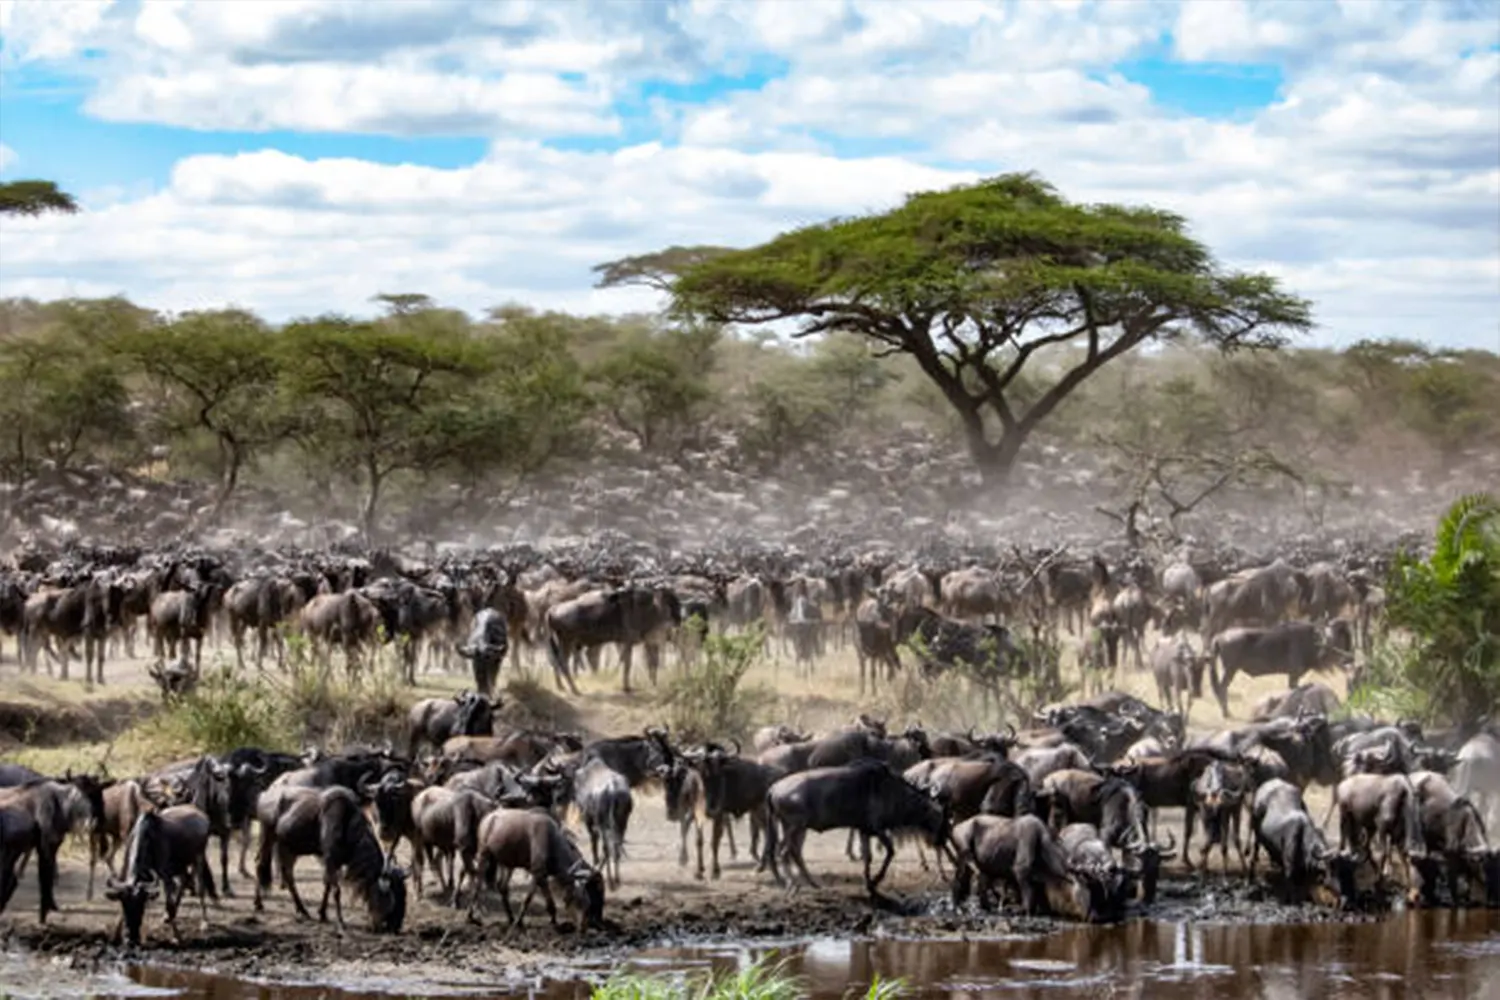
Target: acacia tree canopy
(980, 283)
(32, 197)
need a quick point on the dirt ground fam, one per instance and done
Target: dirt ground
(659, 903)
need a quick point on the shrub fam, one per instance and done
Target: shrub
(227, 710)
(707, 701)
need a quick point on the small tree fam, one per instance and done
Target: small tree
(979, 284)
(218, 373)
(1449, 605)
(652, 385)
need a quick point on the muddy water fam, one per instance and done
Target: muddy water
(1429, 954)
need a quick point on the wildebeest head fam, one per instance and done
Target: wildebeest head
(584, 890)
(132, 895)
(388, 900)
(476, 715)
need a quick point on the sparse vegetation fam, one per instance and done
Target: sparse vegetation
(709, 700)
(764, 979)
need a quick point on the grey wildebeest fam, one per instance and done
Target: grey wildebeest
(532, 841)
(1291, 648)
(626, 616)
(85, 611)
(348, 620)
(1455, 833)
(1112, 804)
(1022, 853)
(1107, 883)
(180, 618)
(264, 603)
(866, 797)
(445, 824)
(329, 824)
(875, 640)
(165, 849)
(603, 798)
(485, 648)
(1380, 808)
(1178, 669)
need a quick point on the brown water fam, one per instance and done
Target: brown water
(1435, 954)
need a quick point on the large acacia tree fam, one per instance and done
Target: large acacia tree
(32, 197)
(979, 284)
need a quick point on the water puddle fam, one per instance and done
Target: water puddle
(1430, 953)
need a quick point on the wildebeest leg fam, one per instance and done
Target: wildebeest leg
(1187, 832)
(593, 840)
(226, 888)
(849, 848)
(795, 838)
(287, 862)
(873, 885)
(653, 661)
(626, 649)
(331, 887)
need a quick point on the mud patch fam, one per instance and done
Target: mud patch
(30, 717)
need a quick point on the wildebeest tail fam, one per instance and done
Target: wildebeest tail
(555, 652)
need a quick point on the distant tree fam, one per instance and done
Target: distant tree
(33, 197)
(404, 303)
(652, 384)
(980, 283)
(218, 373)
(60, 401)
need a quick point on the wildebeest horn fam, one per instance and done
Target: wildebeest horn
(1170, 851)
(363, 784)
(1013, 735)
(737, 746)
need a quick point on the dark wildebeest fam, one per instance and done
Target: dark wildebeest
(733, 786)
(626, 616)
(636, 757)
(866, 797)
(124, 802)
(438, 720)
(165, 849)
(1022, 853)
(86, 610)
(55, 807)
(485, 648)
(532, 841)
(181, 617)
(682, 791)
(331, 825)
(1108, 884)
(1291, 648)
(1283, 827)
(349, 620)
(264, 603)
(986, 654)
(875, 640)
(1219, 794)
(20, 834)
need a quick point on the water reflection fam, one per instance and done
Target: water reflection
(1430, 953)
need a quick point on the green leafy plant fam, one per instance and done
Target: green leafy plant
(708, 700)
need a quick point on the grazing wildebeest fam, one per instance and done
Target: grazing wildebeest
(1112, 804)
(534, 842)
(485, 648)
(626, 616)
(165, 849)
(866, 797)
(1281, 825)
(1304, 699)
(1380, 807)
(330, 824)
(1022, 853)
(1454, 832)
(438, 720)
(1292, 648)
(1108, 884)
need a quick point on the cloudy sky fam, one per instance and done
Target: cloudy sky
(299, 156)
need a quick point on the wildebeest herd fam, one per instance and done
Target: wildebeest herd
(1060, 812)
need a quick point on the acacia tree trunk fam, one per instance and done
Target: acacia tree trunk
(376, 479)
(996, 460)
(229, 481)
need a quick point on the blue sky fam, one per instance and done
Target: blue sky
(252, 151)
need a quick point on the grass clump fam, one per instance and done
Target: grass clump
(709, 700)
(761, 980)
(225, 711)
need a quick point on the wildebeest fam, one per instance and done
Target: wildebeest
(485, 648)
(1178, 669)
(1281, 824)
(437, 720)
(181, 617)
(55, 807)
(1022, 853)
(733, 786)
(331, 825)
(1384, 808)
(603, 798)
(1111, 804)
(445, 824)
(626, 616)
(1453, 831)
(1219, 795)
(1106, 882)
(1292, 648)
(875, 640)
(165, 849)
(866, 797)
(1304, 699)
(534, 842)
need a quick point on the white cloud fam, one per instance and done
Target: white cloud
(1370, 185)
(8, 156)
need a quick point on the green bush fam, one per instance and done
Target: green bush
(761, 980)
(1446, 610)
(706, 700)
(227, 710)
